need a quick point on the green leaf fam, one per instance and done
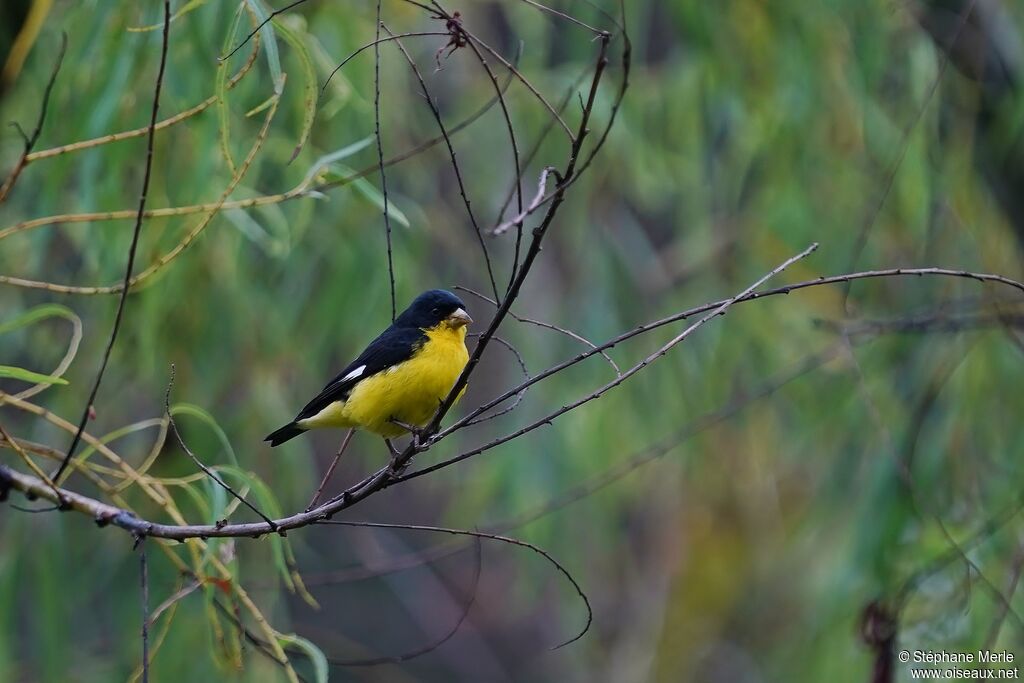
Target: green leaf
(326, 160)
(269, 39)
(208, 419)
(370, 191)
(315, 654)
(311, 88)
(36, 314)
(255, 232)
(7, 371)
(221, 90)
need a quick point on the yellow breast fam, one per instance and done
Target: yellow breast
(411, 391)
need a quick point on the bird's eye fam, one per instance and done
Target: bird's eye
(436, 311)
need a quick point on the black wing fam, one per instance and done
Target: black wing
(392, 347)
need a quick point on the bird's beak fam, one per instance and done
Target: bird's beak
(459, 318)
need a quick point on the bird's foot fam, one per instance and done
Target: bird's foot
(396, 468)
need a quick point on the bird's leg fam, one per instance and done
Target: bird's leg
(417, 432)
(394, 468)
(330, 471)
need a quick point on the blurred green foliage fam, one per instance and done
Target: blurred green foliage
(747, 553)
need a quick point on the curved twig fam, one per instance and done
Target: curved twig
(199, 463)
(444, 638)
(549, 326)
(451, 153)
(493, 537)
(31, 140)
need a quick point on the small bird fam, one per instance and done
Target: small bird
(396, 385)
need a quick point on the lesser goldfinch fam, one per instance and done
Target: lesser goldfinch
(401, 378)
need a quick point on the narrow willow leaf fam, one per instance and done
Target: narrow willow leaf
(36, 314)
(266, 502)
(269, 39)
(328, 159)
(221, 90)
(255, 232)
(370, 191)
(7, 371)
(311, 89)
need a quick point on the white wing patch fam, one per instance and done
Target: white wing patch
(355, 373)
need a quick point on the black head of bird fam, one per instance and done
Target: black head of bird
(432, 308)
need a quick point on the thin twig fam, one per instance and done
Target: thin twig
(531, 255)
(473, 38)
(597, 393)
(30, 140)
(890, 177)
(519, 397)
(493, 537)
(444, 638)
(549, 326)
(144, 579)
(512, 142)
(542, 185)
(374, 43)
(256, 30)
(132, 249)
(330, 470)
(563, 15)
(533, 153)
(451, 153)
(676, 317)
(199, 463)
(380, 159)
(612, 117)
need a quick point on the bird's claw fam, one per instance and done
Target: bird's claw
(396, 468)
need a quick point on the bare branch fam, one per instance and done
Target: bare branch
(30, 140)
(540, 323)
(144, 579)
(256, 30)
(199, 463)
(445, 637)
(492, 537)
(380, 160)
(678, 339)
(451, 153)
(646, 327)
(374, 43)
(890, 177)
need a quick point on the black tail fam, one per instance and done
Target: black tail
(289, 431)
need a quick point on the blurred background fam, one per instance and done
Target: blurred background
(797, 489)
